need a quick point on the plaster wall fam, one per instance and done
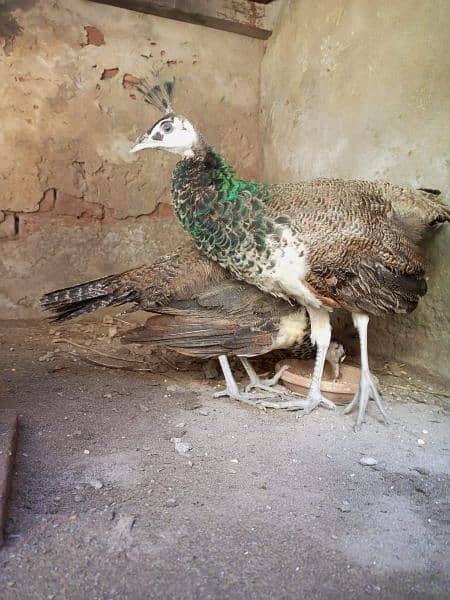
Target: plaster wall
(74, 204)
(361, 89)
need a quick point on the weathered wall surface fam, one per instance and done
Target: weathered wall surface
(361, 89)
(74, 204)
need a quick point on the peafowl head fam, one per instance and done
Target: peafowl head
(172, 132)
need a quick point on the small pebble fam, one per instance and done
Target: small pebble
(86, 451)
(181, 447)
(78, 498)
(421, 442)
(171, 502)
(345, 507)
(96, 484)
(204, 413)
(180, 425)
(368, 461)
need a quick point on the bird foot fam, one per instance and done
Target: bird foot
(252, 399)
(266, 384)
(262, 400)
(308, 404)
(367, 389)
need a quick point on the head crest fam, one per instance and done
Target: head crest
(159, 95)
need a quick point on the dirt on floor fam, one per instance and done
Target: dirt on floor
(139, 484)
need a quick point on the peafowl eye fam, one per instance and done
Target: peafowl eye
(167, 127)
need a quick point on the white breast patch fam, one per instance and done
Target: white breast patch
(289, 268)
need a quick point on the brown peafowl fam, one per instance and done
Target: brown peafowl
(202, 312)
(326, 243)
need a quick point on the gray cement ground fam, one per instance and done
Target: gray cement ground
(265, 505)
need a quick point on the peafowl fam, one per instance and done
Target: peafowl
(201, 312)
(325, 243)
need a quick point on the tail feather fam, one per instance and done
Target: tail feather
(85, 298)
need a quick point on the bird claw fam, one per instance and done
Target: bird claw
(367, 389)
(245, 397)
(266, 384)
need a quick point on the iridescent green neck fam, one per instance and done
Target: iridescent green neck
(226, 181)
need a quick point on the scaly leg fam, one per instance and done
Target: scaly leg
(320, 335)
(232, 389)
(367, 387)
(256, 382)
(258, 400)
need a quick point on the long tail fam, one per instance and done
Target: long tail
(182, 274)
(85, 298)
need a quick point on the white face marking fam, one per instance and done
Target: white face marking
(172, 133)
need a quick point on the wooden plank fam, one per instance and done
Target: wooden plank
(8, 440)
(218, 14)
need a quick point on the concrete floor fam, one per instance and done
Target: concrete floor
(265, 505)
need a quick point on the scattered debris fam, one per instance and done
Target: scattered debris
(47, 356)
(368, 461)
(422, 470)
(181, 447)
(345, 507)
(421, 488)
(96, 484)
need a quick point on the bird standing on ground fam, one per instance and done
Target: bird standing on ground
(325, 243)
(201, 311)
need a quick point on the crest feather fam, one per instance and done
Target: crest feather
(159, 95)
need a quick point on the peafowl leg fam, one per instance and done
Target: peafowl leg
(320, 335)
(256, 382)
(232, 389)
(254, 399)
(367, 386)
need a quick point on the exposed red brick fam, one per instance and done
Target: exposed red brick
(109, 73)
(92, 211)
(129, 81)
(163, 210)
(48, 201)
(94, 36)
(67, 205)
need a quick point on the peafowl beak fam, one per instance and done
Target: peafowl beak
(142, 142)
